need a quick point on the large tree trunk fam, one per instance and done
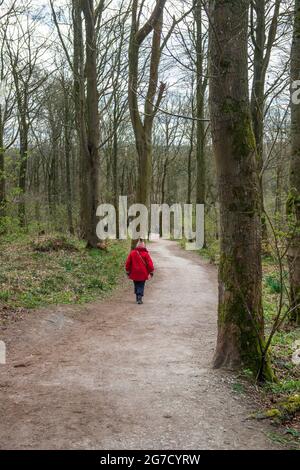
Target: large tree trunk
(294, 197)
(240, 321)
(87, 117)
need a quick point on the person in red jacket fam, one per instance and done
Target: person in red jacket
(139, 267)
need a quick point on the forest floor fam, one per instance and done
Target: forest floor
(116, 375)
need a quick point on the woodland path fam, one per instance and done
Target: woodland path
(116, 375)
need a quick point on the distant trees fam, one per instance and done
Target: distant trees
(24, 56)
(168, 137)
(192, 60)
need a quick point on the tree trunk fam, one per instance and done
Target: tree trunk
(189, 167)
(262, 53)
(79, 99)
(200, 90)
(2, 174)
(294, 196)
(278, 189)
(189, 182)
(68, 146)
(37, 211)
(115, 166)
(258, 97)
(93, 125)
(53, 173)
(240, 318)
(23, 170)
(87, 117)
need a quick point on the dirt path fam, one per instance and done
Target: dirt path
(116, 375)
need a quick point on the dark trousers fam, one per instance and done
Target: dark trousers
(139, 287)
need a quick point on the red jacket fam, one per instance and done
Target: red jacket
(139, 264)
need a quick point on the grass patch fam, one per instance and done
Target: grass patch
(284, 340)
(273, 283)
(291, 442)
(286, 386)
(56, 270)
(48, 243)
(211, 252)
(238, 388)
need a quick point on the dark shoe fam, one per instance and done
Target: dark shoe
(140, 301)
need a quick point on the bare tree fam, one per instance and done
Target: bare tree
(200, 97)
(143, 126)
(263, 41)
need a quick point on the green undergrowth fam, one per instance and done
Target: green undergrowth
(282, 411)
(56, 269)
(287, 339)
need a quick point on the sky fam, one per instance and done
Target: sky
(176, 76)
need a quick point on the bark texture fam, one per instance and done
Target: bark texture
(240, 317)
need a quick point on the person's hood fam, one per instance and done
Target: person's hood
(141, 248)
